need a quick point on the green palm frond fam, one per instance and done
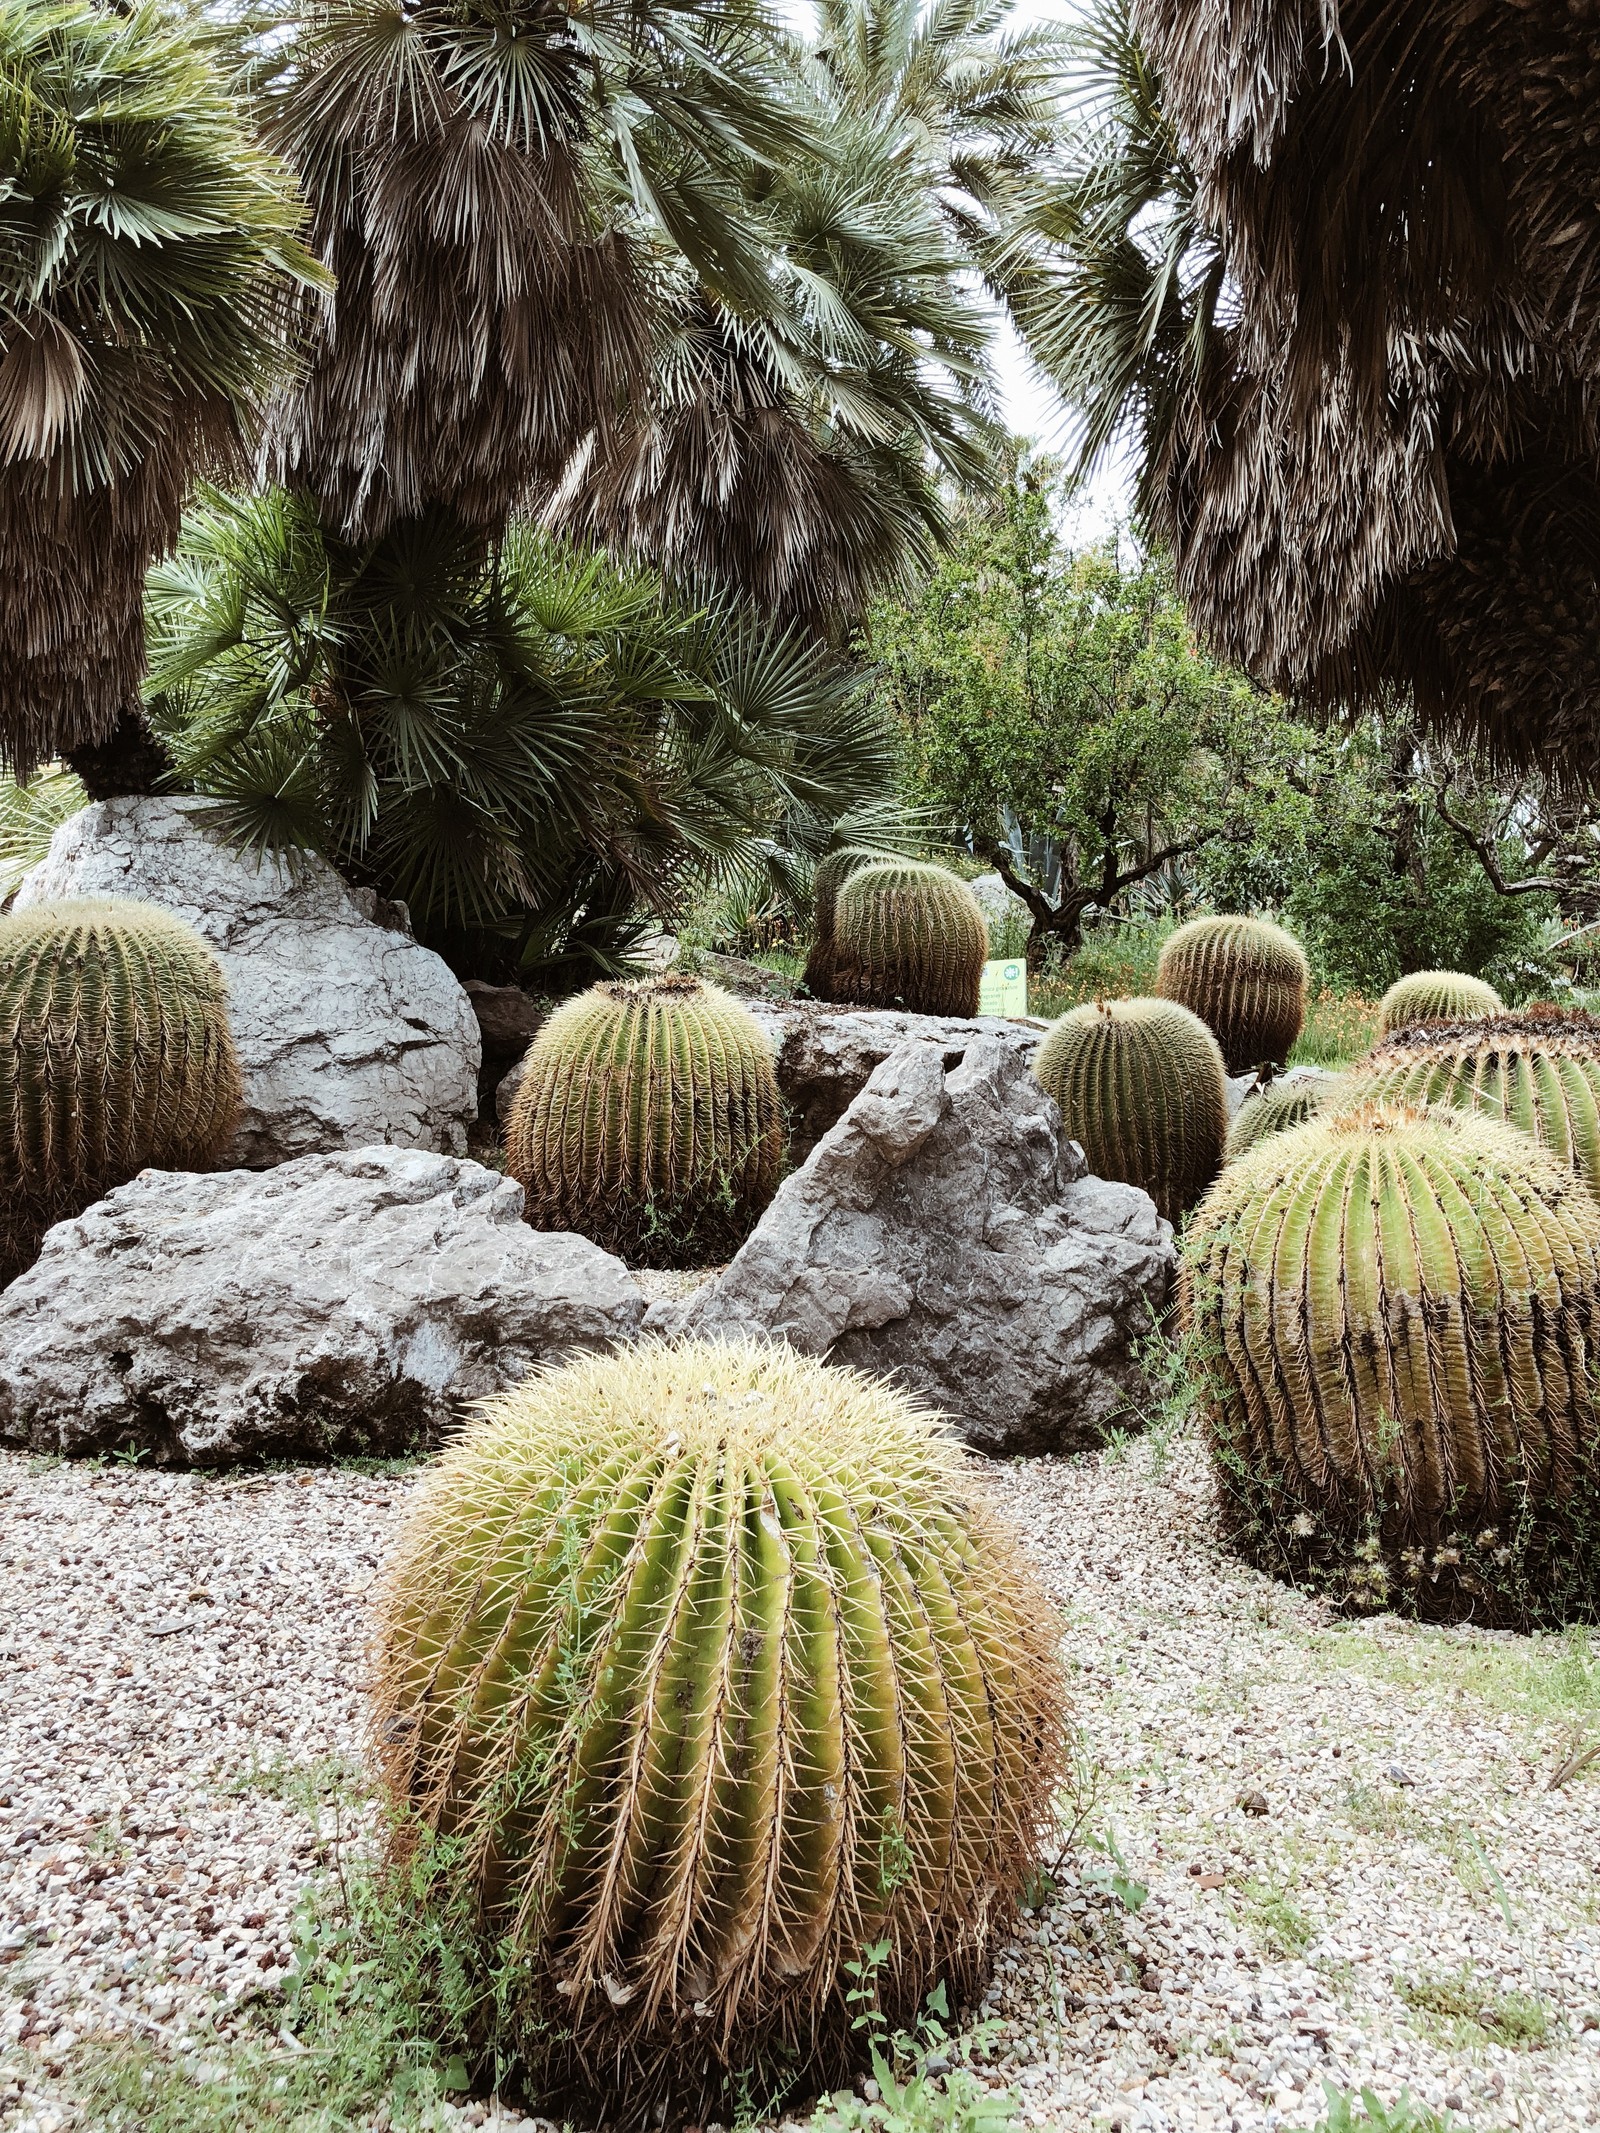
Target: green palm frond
(30, 815)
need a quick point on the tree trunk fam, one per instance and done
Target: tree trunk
(130, 760)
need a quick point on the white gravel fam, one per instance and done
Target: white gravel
(182, 1654)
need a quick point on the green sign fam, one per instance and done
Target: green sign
(1004, 990)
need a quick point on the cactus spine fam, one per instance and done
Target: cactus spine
(909, 935)
(1245, 979)
(115, 1054)
(711, 1666)
(1140, 1084)
(649, 1119)
(1435, 996)
(833, 871)
(1277, 1107)
(1539, 1070)
(1392, 1316)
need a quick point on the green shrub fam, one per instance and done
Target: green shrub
(1391, 1317)
(1538, 1069)
(649, 1119)
(909, 935)
(701, 1670)
(115, 1054)
(1245, 979)
(1140, 1084)
(1435, 996)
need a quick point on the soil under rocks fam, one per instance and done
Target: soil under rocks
(1357, 1866)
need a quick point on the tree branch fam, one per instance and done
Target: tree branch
(1483, 850)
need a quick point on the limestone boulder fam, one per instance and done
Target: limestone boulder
(336, 1304)
(348, 1031)
(945, 1231)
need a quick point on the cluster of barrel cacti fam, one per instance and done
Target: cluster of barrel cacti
(897, 933)
(115, 1054)
(701, 1671)
(649, 1119)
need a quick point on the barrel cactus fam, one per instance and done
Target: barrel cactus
(115, 1055)
(908, 935)
(701, 1670)
(1140, 1084)
(1435, 996)
(1245, 979)
(1536, 1068)
(833, 871)
(1391, 1316)
(649, 1119)
(1278, 1106)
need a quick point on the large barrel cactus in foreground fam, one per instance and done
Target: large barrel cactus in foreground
(649, 1119)
(833, 871)
(115, 1055)
(1245, 979)
(1280, 1105)
(701, 1670)
(908, 935)
(1435, 996)
(1538, 1069)
(1140, 1084)
(1392, 1317)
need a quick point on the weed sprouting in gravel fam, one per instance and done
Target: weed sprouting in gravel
(1350, 2111)
(1466, 2010)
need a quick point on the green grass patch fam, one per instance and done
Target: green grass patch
(1352, 2111)
(1281, 1926)
(1464, 2010)
(1541, 1676)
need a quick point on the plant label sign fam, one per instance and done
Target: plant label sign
(1004, 989)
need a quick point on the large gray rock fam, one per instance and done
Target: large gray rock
(945, 1231)
(341, 1303)
(348, 1031)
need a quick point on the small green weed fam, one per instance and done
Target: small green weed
(924, 2083)
(1349, 2112)
(1277, 1920)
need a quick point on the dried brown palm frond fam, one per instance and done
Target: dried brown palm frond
(1376, 458)
(146, 246)
(485, 182)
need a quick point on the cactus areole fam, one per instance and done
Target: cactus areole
(1392, 1319)
(1139, 1084)
(908, 935)
(1537, 1068)
(649, 1119)
(702, 1670)
(115, 1055)
(1435, 996)
(1245, 979)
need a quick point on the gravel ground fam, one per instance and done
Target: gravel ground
(1357, 1867)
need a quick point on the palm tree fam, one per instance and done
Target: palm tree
(1113, 277)
(147, 248)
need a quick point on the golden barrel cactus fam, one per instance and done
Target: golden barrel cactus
(649, 1119)
(1537, 1068)
(1139, 1083)
(1435, 996)
(701, 1669)
(1246, 980)
(115, 1056)
(833, 871)
(1391, 1316)
(1280, 1105)
(908, 935)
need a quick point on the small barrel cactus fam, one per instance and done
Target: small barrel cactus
(1278, 1106)
(1245, 979)
(833, 871)
(1435, 996)
(1140, 1084)
(1391, 1317)
(1536, 1068)
(909, 935)
(701, 1670)
(115, 1056)
(649, 1119)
